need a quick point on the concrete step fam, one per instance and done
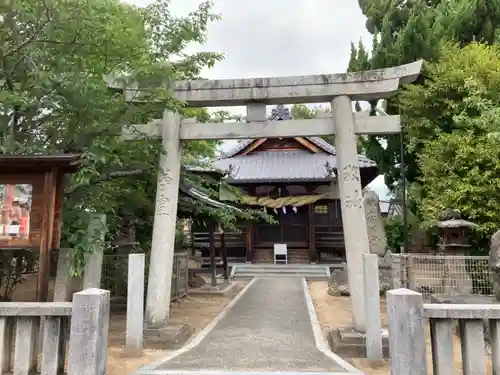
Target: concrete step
(308, 271)
(281, 265)
(280, 275)
(287, 269)
(283, 272)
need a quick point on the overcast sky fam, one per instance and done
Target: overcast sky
(265, 38)
(280, 37)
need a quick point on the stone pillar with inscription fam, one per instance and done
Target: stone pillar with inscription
(351, 197)
(162, 247)
(375, 223)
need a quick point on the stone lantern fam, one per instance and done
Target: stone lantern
(454, 234)
(454, 245)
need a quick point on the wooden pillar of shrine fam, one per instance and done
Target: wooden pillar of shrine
(249, 242)
(211, 244)
(224, 254)
(47, 228)
(313, 255)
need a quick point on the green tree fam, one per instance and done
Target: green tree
(468, 21)
(302, 111)
(54, 55)
(404, 31)
(453, 122)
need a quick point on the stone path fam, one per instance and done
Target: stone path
(268, 329)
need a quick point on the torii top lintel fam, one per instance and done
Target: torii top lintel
(364, 85)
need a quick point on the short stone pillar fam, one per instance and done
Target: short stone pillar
(93, 262)
(407, 341)
(63, 284)
(372, 308)
(396, 271)
(135, 304)
(88, 345)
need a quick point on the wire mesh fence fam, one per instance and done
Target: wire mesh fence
(115, 274)
(443, 274)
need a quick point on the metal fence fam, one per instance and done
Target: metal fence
(115, 272)
(442, 274)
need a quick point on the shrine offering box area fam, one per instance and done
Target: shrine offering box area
(32, 189)
(15, 206)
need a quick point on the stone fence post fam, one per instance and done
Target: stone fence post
(396, 271)
(135, 304)
(407, 344)
(88, 344)
(372, 308)
(62, 287)
(93, 262)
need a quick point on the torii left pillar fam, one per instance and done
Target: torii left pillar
(162, 246)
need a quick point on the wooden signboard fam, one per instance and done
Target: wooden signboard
(33, 188)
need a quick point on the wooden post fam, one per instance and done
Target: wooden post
(211, 244)
(49, 197)
(59, 199)
(313, 256)
(178, 276)
(186, 275)
(191, 249)
(249, 242)
(173, 286)
(224, 253)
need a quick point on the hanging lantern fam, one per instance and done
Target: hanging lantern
(283, 209)
(294, 209)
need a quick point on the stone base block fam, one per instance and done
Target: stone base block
(172, 336)
(348, 343)
(217, 290)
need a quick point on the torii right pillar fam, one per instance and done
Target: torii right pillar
(351, 200)
(349, 183)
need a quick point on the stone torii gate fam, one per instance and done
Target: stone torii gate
(338, 89)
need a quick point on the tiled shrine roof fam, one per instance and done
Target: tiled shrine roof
(285, 165)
